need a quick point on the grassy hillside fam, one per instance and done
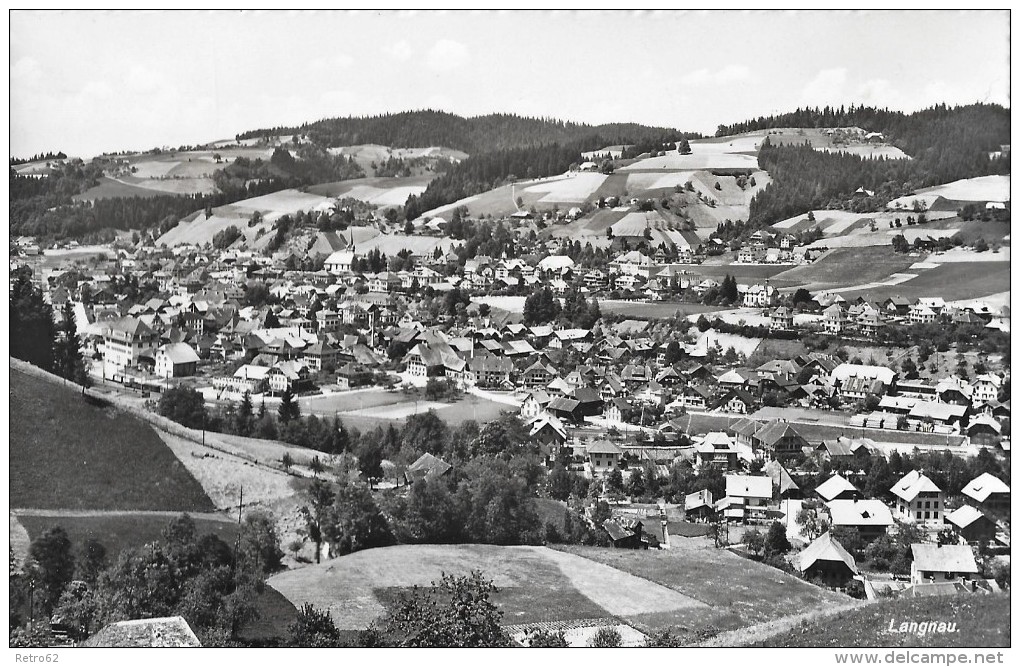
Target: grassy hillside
(960, 280)
(981, 621)
(68, 452)
(737, 591)
(536, 585)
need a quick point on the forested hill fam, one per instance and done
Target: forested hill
(982, 127)
(501, 146)
(946, 144)
(480, 134)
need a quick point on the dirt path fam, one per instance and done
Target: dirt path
(763, 631)
(19, 538)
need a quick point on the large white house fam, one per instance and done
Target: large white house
(919, 500)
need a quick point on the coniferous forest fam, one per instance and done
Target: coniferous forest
(945, 144)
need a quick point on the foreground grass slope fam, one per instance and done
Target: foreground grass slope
(981, 621)
(536, 584)
(70, 452)
(738, 592)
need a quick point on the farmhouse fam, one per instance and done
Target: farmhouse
(320, 355)
(834, 321)
(626, 536)
(986, 388)
(603, 456)
(870, 517)
(288, 375)
(846, 449)
(176, 360)
(739, 401)
(984, 431)
(549, 432)
(837, 488)
(783, 485)
(427, 467)
(716, 449)
(989, 492)
(747, 498)
(780, 440)
(857, 382)
(937, 562)
(760, 296)
(781, 318)
(698, 507)
(972, 524)
(489, 371)
(825, 559)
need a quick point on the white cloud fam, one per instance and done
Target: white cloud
(447, 55)
(26, 73)
(732, 73)
(880, 93)
(826, 88)
(342, 60)
(704, 76)
(342, 103)
(97, 89)
(142, 80)
(400, 51)
(698, 77)
(938, 91)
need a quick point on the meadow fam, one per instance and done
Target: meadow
(733, 591)
(842, 267)
(69, 451)
(109, 188)
(467, 407)
(536, 584)
(982, 188)
(951, 281)
(981, 621)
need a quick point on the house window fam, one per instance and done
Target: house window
(927, 515)
(918, 516)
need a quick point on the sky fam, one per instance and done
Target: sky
(102, 81)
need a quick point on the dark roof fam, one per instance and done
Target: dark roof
(427, 467)
(616, 531)
(586, 395)
(563, 404)
(775, 431)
